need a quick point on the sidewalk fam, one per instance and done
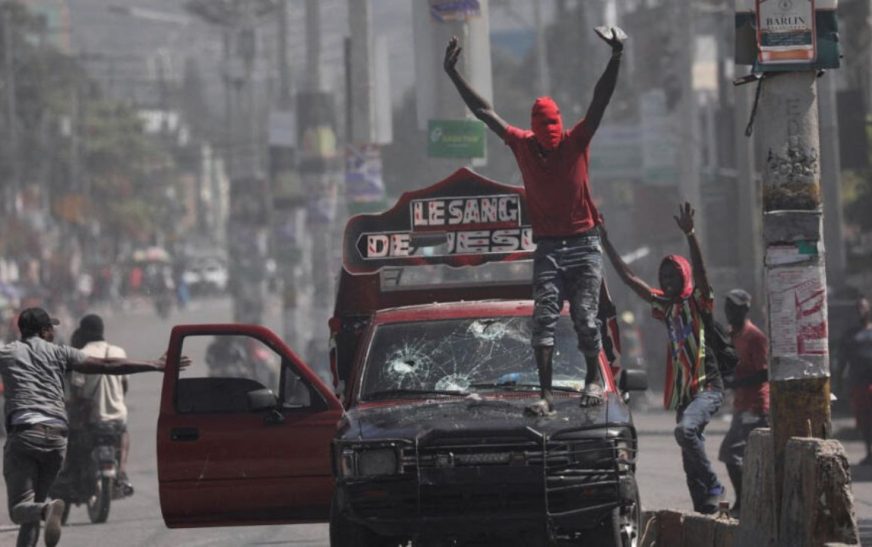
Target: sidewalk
(655, 427)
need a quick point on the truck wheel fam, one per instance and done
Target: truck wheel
(347, 533)
(622, 528)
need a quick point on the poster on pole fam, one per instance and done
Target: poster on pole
(798, 311)
(786, 31)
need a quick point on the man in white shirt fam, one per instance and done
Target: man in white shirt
(102, 394)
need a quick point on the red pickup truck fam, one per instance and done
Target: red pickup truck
(423, 437)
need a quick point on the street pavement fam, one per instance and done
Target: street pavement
(137, 521)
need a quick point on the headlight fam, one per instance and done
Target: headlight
(380, 461)
(360, 461)
(347, 463)
(625, 448)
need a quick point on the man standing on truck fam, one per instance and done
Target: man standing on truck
(36, 421)
(567, 264)
(694, 387)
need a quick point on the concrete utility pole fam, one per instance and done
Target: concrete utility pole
(11, 191)
(437, 99)
(284, 69)
(688, 131)
(313, 45)
(286, 263)
(320, 170)
(796, 280)
(248, 192)
(543, 76)
(362, 119)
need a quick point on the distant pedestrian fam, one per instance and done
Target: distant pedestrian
(567, 265)
(694, 388)
(33, 371)
(750, 387)
(856, 355)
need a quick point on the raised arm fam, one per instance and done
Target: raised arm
(627, 276)
(112, 365)
(479, 106)
(686, 224)
(602, 93)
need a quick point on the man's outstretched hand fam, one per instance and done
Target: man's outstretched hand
(685, 218)
(613, 36)
(452, 53)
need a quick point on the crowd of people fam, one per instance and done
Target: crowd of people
(570, 236)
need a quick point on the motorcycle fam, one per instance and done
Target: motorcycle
(90, 475)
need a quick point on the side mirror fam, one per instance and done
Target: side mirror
(633, 380)
(261, 399)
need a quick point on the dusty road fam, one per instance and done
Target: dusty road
(137, 521)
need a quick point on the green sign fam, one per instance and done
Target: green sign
(455, 139)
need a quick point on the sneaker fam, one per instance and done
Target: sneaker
(710, 505)
(54, 512)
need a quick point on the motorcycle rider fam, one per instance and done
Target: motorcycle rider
(100, 397)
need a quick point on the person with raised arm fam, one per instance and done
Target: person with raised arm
(568, 258)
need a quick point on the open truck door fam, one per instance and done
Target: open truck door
(244, 433)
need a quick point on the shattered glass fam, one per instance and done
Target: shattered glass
(465, 356)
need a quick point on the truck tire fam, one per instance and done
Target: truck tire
(622, 528)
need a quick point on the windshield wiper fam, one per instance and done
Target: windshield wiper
(385, 394)
(514, 386)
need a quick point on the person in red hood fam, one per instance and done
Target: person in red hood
(568, 258)
(694, 387)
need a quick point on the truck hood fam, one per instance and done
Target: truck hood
(414, 419)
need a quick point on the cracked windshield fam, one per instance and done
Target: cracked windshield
(463, 356)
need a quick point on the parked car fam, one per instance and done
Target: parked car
(423, 436)
(206, 276)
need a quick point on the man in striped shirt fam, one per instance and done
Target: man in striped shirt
(694, 388)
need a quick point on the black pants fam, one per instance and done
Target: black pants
(31, 461)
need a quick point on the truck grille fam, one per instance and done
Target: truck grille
(560, 478)
(474, 453)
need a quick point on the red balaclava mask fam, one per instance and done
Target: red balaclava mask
(685, 271)
(546, 123)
